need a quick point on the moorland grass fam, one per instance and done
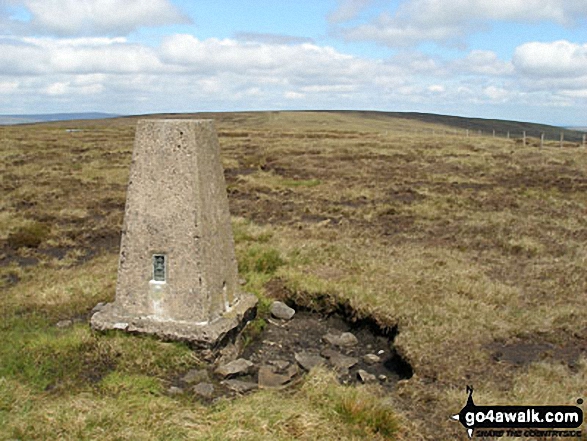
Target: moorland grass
(458, 242)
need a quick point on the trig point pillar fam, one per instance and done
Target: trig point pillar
(177, 275)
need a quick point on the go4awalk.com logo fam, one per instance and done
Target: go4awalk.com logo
(520, 421)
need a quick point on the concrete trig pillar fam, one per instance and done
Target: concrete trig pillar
(177, 275)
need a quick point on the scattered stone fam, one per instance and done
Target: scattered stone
(328, 352)
(308, 361)
(195, 376)
(239, 386)
(365, 376)
(234, 368)
(346, 339)
(382, 378)
(371, 358)
(229, 353)
(380, 352)
(174, 390)
(339, 361)
(279, 364)
(281, 311)
(269, 379)
(204, 390)
(64, 324)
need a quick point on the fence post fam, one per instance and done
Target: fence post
(494, 133)
(524, 137)
(562, 139)
(542, 140)
(508, 134)
(467, 133)
(584, 139)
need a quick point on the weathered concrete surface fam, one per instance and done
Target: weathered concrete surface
(177, 207)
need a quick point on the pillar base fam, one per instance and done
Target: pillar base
(198, 335)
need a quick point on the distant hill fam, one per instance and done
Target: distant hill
(28, 119)
(485, 125)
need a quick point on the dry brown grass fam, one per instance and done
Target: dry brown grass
(459, 242)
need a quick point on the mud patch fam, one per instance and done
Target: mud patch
(522, 353)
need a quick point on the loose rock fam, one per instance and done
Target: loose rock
(237, 367)
(339, 361)
(281, 311)
(371, 358)
(365, 376)
(195, 376)
(269, 379)
(279, 364)
(239, 386)
(346, 339)
(308, 361)
(204, 390)
(64, 324)
(174, 390)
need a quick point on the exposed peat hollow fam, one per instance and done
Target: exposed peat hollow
(278, 356)
(308, 332)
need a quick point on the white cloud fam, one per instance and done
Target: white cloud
(551, 60)
(86, 55)
(187, 74)
(8, 86)
(86, 17)
(482, 62)
(497, 93)
(295, 62)
(348, 10)
(443, 21)
(57, 89)
(290, 95)
(436, 88)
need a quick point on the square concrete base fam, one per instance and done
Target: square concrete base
(203, 336)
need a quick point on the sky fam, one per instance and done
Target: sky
(523, 60)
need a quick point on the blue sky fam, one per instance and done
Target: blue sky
(512, 59)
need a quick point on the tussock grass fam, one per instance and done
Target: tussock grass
(458, 242)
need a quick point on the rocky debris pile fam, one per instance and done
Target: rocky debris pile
(290, 346)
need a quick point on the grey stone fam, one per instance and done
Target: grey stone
(64, 324)
(308, 361)
(204, 390)
(371, 358)
(229, 353)
(343, 362)
(279, 364)
(346, 339)
(382, 378)
(237, 367)
(365, 376)
(195, 376)
(269, 379)
(239, 386)
(177, 223)
(281, 311)
(174, 390)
